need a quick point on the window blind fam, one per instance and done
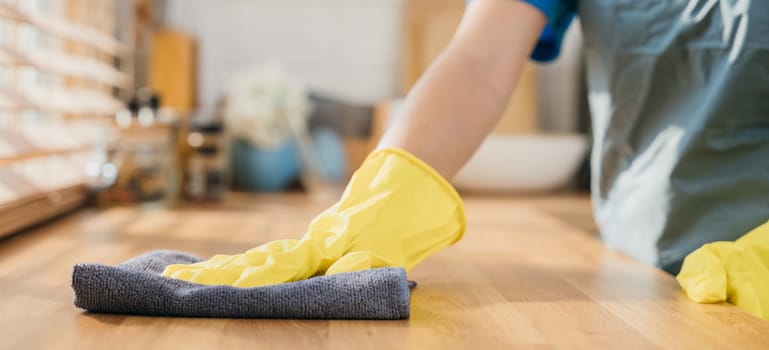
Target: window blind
(59, 78)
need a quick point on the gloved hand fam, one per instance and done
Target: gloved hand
(736, 272)
(396, 211)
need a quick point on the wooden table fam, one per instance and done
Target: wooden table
(521, 278)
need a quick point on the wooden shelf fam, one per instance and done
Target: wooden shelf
(64, 64)
(32, 209)
(7, 160)
(72, 101)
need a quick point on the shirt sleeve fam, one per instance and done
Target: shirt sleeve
(559, 14)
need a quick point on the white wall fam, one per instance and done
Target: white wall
(350, 48)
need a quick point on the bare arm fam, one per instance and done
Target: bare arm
(460, 98)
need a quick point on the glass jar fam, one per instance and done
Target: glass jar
(146, 159)
(206, 171)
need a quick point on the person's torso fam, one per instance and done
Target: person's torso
(679, 93)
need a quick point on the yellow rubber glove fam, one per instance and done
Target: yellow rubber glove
(396, 211)
(736, 272)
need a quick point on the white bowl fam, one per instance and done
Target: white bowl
(523, 163)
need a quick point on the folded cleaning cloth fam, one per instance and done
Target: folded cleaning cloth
(136, 287)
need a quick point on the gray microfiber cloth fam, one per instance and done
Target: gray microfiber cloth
(136, 287)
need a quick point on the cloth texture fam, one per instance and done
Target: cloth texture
(136, 287)
(680, 125)
(559, 14)
(678, 95)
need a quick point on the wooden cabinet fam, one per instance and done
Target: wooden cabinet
(428, 28)
(172, 70)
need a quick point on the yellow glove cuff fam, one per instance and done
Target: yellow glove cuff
(438, 178)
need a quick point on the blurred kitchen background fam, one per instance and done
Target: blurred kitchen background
(162, 103)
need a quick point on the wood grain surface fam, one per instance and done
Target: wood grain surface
(523, 277)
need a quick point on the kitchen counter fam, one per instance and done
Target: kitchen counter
(526, 275)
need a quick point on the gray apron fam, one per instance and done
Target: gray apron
(679, 94)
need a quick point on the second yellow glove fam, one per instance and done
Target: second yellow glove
(735, 272)
(396, 211)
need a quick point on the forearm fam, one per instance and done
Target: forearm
(460, 98)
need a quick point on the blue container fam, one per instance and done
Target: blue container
(264, 169)
(331, 154)
(274, 169)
